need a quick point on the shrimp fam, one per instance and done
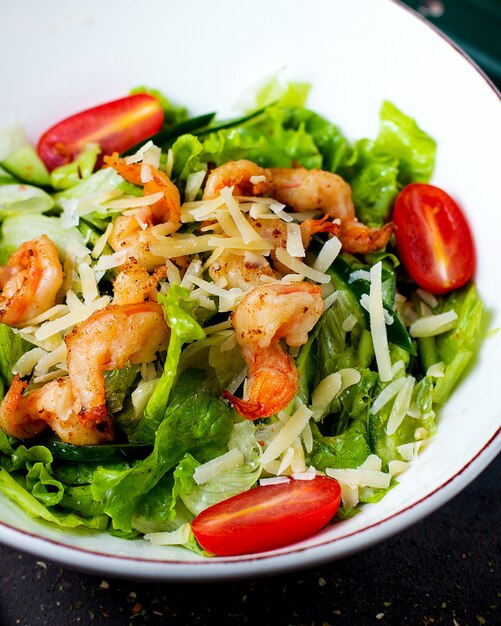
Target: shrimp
(303, 189)
(134, 284)
(264, 316)
(168, 208)
(136, 235)
(30, 281)
(107, 340)
(234, 270)
(246, 178)
(24, 417)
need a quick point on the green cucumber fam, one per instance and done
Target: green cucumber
(25, 165)
(104, 453)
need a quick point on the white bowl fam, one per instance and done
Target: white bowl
(204, 54)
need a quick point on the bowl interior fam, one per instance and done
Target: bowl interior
(355, 55)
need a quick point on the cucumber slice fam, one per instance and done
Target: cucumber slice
(25, 165)
(105, 453)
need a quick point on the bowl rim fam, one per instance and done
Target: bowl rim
(267, 563)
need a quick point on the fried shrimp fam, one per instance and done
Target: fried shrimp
(264, 317)
(107, 340)
(168, 208)
(134, 284)
(246, 178)
(241, 271)
(30, 281)
(135, 232)
(302, 190)
(51, 406)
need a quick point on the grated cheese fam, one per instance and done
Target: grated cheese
(102, 241)
(327, 254)
(397, 467)
(274, 480)
(300, 268)
(387, 394)
(57, 356)
(294, 241)
(176, 537)
(437, 370)
(48, 329)
(193, 185)
(431, 325)
(401, 405)
(427, 297)
(109, 261)
(286, 435)
(139, 154)
(132, 202)
(213, 468)
(27, 361)
(56, 311)
(247, 233)
(88, 280)
(377, 323)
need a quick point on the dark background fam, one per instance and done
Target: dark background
(443, 570)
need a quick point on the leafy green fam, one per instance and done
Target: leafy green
(183, 329)
(400, 136)
(17, 229)
(69, 175)
(194, 422)
(196, 497)
(346, 450)
(12, 347)
(20, 200)
(457, 347)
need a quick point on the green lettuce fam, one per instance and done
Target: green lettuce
(183, 329)
(196, 497)
(194, 421)
(12, 347)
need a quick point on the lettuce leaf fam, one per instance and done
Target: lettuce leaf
(12, 347)
(194, 422)
(183, 329)
(196, 497)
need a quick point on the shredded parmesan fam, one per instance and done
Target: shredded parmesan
(300, 268)
(248, 234)
(327, 254)
(193, 185)
(377, 324)
(228, 461)
(48, 329)
(286, 435)
(427, 297)
(433, 324)
(387, 394)
(294, 241)
(437, 370)
(102, 241)
(400, 406)
(177, 537)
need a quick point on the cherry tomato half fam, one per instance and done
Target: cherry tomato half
(115, 126)
(267, 517)
(433, 238)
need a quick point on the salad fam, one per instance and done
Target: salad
(223, 334)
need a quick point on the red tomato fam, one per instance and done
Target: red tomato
(115, 126)
(267, 517)
(433, 238)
